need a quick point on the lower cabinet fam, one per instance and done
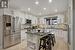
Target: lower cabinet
(31, 45)
(7, 41)
(32, 42)
(23, 35)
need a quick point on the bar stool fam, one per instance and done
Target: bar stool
(46, 43)
(52, 38)
(43, 40)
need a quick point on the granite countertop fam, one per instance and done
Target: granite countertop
(38, 33)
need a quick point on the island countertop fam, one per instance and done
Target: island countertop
(39, 33)
(33, 39)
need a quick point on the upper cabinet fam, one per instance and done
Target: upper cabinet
(30, 19)
(34, 20)
(22, 20)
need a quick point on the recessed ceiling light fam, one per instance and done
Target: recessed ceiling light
(28, 9)
(40, 13)
(44, 8)
(50, 1)
(56, 10)
(36, 2)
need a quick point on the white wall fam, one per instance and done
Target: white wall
(70, 22)
(1, 28)
(73, 17)
(74, 31)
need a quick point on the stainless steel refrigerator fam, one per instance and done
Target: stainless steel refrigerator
(11, 31)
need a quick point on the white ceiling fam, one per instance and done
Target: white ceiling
(23, 5)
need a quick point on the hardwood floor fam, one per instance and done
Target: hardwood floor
(60, 45)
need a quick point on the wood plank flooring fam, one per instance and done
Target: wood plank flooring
(60, 45)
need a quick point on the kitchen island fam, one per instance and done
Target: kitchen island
(33, 40)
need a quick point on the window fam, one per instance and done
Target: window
(51, 20)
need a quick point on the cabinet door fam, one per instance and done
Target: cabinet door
(7, 18)
(7, 41)
(6, 24)
(16, 30)
(6, 31)
(17, 38)
(23, 35)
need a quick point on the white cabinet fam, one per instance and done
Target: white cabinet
(61, 34)
(34, 20)
(23, 35)
(33, 41)
(1, 30)
(23, 20)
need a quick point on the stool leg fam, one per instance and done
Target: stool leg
(49, 46)
(40, 45)
(45, 44)
(53, 41)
